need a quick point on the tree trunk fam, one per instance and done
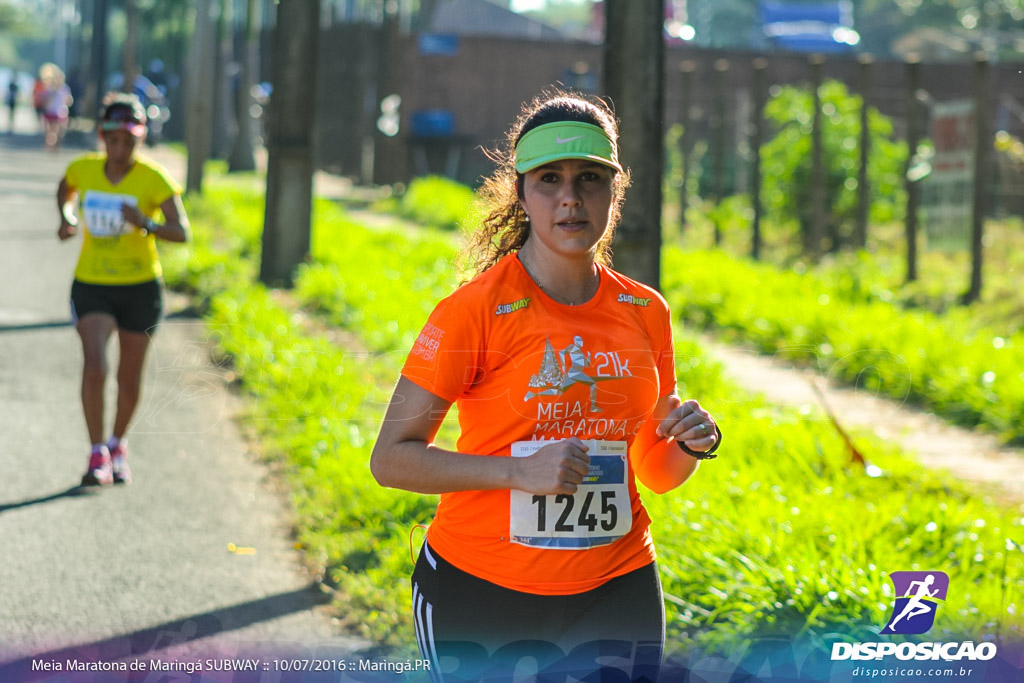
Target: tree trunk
(98, 56)
(290, 162)
(130, 66)
(242, 154)
(223, 99)
(385, 148)
(200, 96)
(634, 79)
(425, 16)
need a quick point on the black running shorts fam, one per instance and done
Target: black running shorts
(472, 629)
(136, 308)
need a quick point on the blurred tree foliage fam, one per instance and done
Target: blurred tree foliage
(736, 23)
(13, 17)
(725, 23)
(995, 22)
(18, 22)
(167, 29)
(786, 159)
(569, 16)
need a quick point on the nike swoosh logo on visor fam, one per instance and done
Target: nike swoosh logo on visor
(562, 141)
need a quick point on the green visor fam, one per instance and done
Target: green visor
(564, 140)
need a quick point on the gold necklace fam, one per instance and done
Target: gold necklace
(557, 297)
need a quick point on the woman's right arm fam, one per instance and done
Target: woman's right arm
(405, 457)
(66, 205)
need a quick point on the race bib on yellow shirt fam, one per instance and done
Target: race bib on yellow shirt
(598, 513)
(102, 212)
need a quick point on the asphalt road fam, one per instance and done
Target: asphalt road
(132, 571)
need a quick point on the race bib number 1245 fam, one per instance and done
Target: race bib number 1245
(598, 513)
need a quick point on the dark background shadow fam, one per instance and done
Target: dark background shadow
(148, 643)
(71, 492)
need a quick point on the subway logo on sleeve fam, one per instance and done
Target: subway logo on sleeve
(634, 300)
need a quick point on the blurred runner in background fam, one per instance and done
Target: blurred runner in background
(117, 283)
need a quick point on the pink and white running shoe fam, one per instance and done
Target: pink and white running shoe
(99, 472)
(119, 464)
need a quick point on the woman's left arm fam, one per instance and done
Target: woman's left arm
(658, 460)
(175, 227)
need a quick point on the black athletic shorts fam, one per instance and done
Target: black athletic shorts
(470, 629)
(136, 308)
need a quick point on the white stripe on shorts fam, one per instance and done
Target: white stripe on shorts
(430, 558)
(416, 621)
(422, 617)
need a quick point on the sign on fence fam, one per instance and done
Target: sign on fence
(947, 195)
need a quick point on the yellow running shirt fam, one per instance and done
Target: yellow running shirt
(522, 368)
(115, 252)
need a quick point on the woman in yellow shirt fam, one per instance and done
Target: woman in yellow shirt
(117, 283)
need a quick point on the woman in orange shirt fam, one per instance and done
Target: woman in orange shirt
(562, 370)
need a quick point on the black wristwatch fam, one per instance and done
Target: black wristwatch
(150, 227)
(705, 455)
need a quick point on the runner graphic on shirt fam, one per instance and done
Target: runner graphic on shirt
(556, 375)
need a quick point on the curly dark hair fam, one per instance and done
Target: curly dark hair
(504, 228)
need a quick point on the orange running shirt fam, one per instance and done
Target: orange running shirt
(522, 367)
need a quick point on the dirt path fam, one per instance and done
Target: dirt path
(970, 455)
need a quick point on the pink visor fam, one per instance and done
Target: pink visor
(124, 119)
(134, 127)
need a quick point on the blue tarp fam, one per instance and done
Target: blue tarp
(807, 27)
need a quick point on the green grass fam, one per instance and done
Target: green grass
(879, 273)
(225, 245)
(970, 375)
(381, 283)
(780, 534)
(435, 201)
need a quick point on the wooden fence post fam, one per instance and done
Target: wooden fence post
(721, 67)
(686, 141)
(816, 229)
(860, 235)
(913, 84)
(756, 133)
(982, 151)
